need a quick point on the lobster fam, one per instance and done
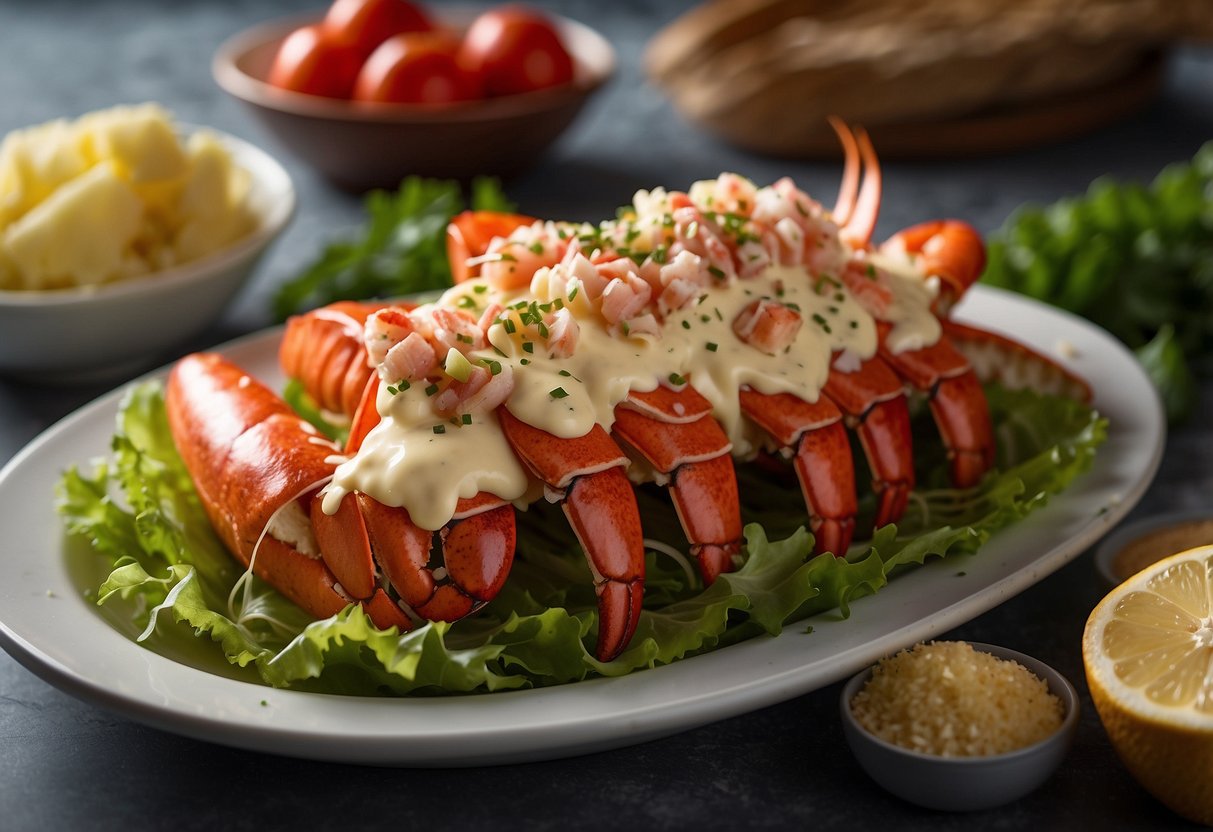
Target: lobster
(253, 459)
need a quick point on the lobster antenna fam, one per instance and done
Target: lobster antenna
(849, 187)
(861, 225)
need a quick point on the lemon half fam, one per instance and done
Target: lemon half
(1148, 654)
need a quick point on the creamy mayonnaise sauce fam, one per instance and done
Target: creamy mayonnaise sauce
(426, 463)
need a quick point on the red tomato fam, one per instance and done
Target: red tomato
(516, 50)
(310, 61)
(416, 68)
(364, 24)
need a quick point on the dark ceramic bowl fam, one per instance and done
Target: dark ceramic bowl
(359, 145)
(962, 784)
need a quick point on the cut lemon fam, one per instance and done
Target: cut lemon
(1148, 653)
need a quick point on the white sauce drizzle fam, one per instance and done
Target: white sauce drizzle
(425, 463)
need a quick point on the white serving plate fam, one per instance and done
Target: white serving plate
(51, 628)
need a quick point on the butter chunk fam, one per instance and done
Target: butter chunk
(33, 163)
(140, 139)
(79, 234)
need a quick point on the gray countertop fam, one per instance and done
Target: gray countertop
(67, 765)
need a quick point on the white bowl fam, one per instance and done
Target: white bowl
(92, 332)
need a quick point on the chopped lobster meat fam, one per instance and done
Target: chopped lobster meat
(509, 264)
(767, 325)
(454, 329)
(625, 297)
(563, 331)
(412, 359)
(383, 330)
(483, 391)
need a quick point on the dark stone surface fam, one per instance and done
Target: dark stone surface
(68, 765)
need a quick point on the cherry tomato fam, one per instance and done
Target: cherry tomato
(416, 68)
(309, 61)
(364, 24)
(516, 50)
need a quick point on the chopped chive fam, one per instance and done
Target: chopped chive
(558, 393)
(536, 248)
(565, 373)
(686, 324)
(712, 346)
(626, 327)
(716, 272)
(719, 317)
(677, 379)
(871, 272)
(403, 385)
(795, 307)
(467, 418)
(392, 390)
(818, 319)
(525, 361)
(510, 328)
(494, 366)
(509, 258)
(480, 288)
(854, 324)
(497, 350)
(439, 428)
(702, 298)
(464, 339)
(705, 318)
(528, 346)
(431, 390)
(573, 292)
(465, 302)
(543, 329)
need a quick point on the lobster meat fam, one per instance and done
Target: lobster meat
(784, 329)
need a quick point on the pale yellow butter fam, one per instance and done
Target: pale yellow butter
(112, 195)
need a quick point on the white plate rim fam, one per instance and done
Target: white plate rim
(52, 631)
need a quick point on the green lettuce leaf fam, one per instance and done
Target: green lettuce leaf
(139, 511)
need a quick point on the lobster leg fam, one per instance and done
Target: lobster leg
(675, 432)
(587, 473)
(476, 548)
(957, 403)
(823, 460)
(873, 400)
(477, 552)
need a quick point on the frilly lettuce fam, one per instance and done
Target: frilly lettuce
(139, 510)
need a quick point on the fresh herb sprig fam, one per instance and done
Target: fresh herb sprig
(402, 249)
(1137, 260)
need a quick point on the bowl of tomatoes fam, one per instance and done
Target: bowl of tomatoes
(372, 91)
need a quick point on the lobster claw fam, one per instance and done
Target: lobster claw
(601, 507)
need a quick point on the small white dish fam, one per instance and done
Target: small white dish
(964, 784)
(1164, 535)
(97, 332)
